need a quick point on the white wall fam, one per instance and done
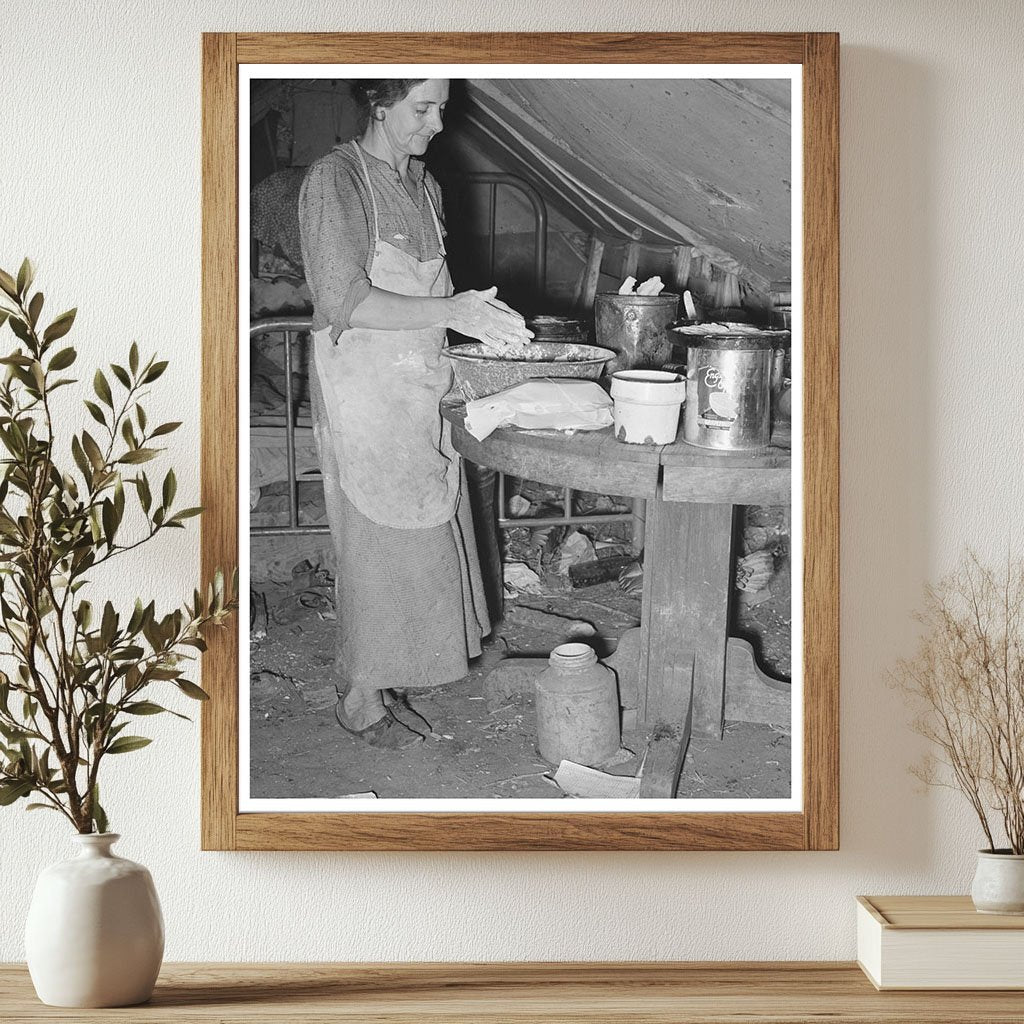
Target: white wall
(100, 183)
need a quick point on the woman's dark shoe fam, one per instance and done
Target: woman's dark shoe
(387, 733)
(397, 702)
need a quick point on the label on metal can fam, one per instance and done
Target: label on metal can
(716, 408)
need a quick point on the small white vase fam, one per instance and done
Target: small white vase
(999, 882)
(95, 934)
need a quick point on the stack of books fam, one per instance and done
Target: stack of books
(938, 942)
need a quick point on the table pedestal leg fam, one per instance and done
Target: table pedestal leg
(685, 629)
(639, 513)
(483, 497)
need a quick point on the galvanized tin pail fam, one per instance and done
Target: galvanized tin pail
(728, 391)
(635, 327)
(557, 328)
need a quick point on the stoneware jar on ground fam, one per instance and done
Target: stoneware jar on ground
(577, 707)
(95, 933)
(999, 882)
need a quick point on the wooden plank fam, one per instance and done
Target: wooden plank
(638, 521)
(587, 287)
(706, 538)
(680, 272)
(649, 608)
(729, 291)
(821, 440)
(631, 255)
(219, 430)
(520, 47)
(759, 477)
(498, 831)
(751, 695)
(705, 273)
(680, 455)
(521, 993)
(668, 740)
(273, 436)
(764, 486)
(689, 550)
(686, 592)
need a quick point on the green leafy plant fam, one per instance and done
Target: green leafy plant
(80, 673)
(967, 680)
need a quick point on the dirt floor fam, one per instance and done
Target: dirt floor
(483, 742)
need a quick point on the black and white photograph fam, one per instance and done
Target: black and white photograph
(520, 396)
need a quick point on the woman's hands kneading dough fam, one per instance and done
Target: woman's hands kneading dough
(478, 314)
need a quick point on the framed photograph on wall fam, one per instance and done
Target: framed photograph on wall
(463, 627)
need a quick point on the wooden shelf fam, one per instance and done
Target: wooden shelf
(616, 993)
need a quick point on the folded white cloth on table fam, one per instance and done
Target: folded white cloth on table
(652, 286)
(553, 404)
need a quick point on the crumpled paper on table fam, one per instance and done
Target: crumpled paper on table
(562, 404)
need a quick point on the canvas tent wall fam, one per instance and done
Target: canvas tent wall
(700, 163)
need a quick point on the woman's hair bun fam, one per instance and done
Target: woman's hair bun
(379, 92)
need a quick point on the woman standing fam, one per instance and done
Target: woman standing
(410, 600)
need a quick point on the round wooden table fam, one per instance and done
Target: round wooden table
(691, 496)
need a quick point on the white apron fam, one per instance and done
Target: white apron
(382, 390)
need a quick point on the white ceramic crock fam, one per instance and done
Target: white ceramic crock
(999, 883)
(95, 933)
(647, 404)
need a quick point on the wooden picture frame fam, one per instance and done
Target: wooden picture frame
(816, 825)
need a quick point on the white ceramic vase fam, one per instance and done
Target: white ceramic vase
(999, 883)
(95, 934)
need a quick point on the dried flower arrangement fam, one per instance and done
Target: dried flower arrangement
(967, 678)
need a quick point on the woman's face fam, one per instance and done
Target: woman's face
(411, 123)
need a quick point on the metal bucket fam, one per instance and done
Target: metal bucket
(635, 327)
(557, 328)
(728, 390)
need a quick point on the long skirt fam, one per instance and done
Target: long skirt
(410, 603)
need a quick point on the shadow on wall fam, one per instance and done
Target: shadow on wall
(889, 379)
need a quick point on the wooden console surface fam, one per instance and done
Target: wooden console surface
(524, 993)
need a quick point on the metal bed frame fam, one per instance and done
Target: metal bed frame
(290, 328)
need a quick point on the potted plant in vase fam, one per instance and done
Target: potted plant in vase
(75, 672)
(967, 678)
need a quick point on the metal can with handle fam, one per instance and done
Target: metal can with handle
(635, 327)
